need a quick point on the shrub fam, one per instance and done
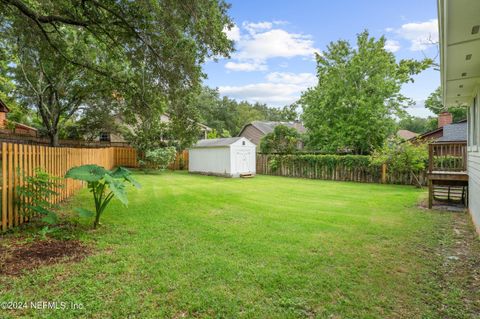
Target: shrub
(33, 197)
(159, 158)
(403, 157)
(104, 185)
(283, 140)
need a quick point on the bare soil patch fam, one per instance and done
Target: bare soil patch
(17, 257)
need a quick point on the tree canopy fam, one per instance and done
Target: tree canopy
(352, 108)
(417, 124)
(435, 104)
(227, 116)
(148, 54)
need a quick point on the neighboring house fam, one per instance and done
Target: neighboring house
(256, 130)
(446, 131)
(115, 137)
(406, 134)
(459, 36)
(10, 127)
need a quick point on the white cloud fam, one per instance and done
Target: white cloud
(392, 45)
(276, 94)
(245, 66)
(233, 34)
(263, 41)
(281, 88)
(305, 79)
(275, 43)
(252, 27)
(421, 35)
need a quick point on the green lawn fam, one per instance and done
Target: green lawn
(267, 247)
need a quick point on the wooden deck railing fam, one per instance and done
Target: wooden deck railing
(447, 157)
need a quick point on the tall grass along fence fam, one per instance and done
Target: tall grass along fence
(20, 160)
(356, 168)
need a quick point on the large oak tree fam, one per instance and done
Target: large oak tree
(358, 95)
(144, 51)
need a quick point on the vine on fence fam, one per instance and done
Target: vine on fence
(329, 161)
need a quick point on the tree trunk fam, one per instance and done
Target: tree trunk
(53, 139)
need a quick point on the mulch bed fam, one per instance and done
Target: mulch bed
(16, 257)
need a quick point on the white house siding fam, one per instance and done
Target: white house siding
(474, 187)
(460, 73)
(210, 160)
(474, 162)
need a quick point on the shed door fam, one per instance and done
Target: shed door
(242, 158)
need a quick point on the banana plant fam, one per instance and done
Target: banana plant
(104, 185)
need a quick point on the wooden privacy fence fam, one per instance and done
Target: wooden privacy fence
(20, 160)
(181, 161)
(355, 168)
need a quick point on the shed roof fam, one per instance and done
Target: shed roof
(217, 142)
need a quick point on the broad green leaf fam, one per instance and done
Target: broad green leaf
(87, 173)
(121, 172)
(84, 212)
(118, 189)
(133, 182)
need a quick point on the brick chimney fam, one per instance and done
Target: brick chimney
(444, 118)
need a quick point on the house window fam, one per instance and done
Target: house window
(104, 137)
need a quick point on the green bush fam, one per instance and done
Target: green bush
(34, 196)
(403, 157)
(282, 140)
(159, 158)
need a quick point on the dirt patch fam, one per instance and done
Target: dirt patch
(16, 257)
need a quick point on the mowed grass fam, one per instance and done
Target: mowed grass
(266, 247)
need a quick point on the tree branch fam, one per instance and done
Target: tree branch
(23, 8)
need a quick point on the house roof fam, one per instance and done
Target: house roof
(217, 142)
(406, 134)
(267, 126)
(450, 133)
(3, 107)
(454, 132)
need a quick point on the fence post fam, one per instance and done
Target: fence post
(384, 173)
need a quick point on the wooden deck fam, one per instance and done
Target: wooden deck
(447, 174)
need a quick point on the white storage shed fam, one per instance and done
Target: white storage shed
(231, 157)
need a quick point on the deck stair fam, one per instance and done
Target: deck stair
(448, 193)
(447, 172)
(247, 175)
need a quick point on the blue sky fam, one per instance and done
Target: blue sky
(276, 41)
